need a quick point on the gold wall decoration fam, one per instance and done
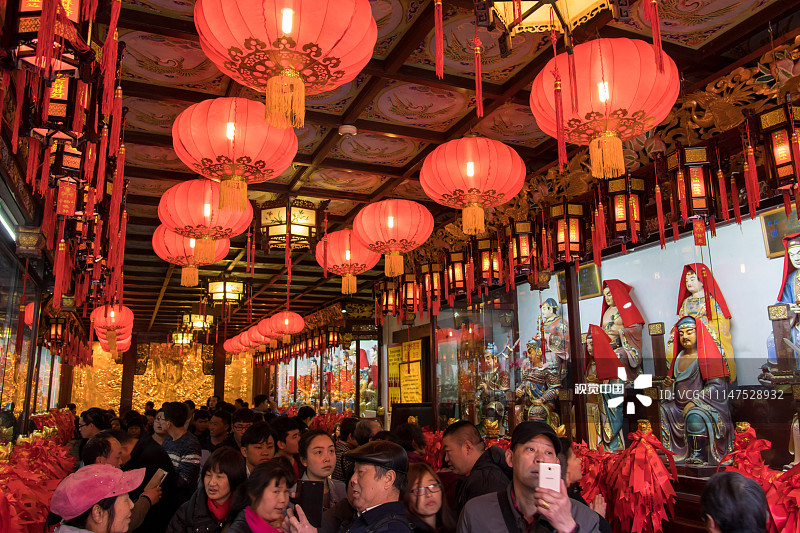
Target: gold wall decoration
(239, 378)
(207, 356)
(172, 375)
(98, 385)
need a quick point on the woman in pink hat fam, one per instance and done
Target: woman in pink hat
(95, 499)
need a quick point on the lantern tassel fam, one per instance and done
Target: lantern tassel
(204, 250)
(116, 121)
(558, 99)
(632, 220)
(287, 339)
(394, 264)
(439, 37)
(233, 194)
(111, 338)
(45, 175)
(59, 269)
(110, 52)
(660, 212)
(102, 153)
(33, 161)
(601, 225)
(795, 144)
(20, 82)
(596, 251)
(473, 219)
(651, 16)
(723, 195)
(286, 100)
(189, 276)
(79, 116)
(751, 181)
(48, 92)
(476, 43)
(573, 80)
(45, 37)
(605, 154)
(682, 197)
(348, 284)
(737, 211)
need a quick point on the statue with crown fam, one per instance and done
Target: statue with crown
(490, 397)
(539, 385)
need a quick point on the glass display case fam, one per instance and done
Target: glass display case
(339, 378)
(368, 376)
(477, 353)
(308, 380)
(284, 385)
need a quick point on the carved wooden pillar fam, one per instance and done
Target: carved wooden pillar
(219, 371)
(656, 330)
(782, 319)
(577, 359)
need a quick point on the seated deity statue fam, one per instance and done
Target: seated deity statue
(696, 422)
(540, 381)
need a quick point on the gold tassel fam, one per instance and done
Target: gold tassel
(233, 194)
(348, 284)
(273, 343)
(204, 248)
(605, 153)
(394, 264)
(472, 219)
(189, 276)
(286, 100)
(287, 339)
(111, 338)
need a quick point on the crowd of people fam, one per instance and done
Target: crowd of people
(231, 468)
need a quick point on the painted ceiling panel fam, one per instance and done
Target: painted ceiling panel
(151, 116)
(371, 148)
(513, 124)
(178, 9)
(343, 180)
(393, 18)
(418, 105)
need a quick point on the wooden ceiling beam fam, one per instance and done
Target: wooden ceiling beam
(162, 93)
(152, 23)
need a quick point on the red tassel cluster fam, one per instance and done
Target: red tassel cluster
(561, 136)
(682, 196)
(750, 174)
(651, 16)
(110, 51)
(723, 195)
(477, 44)
(439, 38)
(660, 213)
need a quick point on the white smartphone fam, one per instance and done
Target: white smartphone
(550, 476)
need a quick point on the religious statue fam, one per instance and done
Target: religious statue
(556, 336)
(794, 441)
(696, 424)
(539, 384)
(605, 369)
(790, 285)
(491, 394)
(700, 297)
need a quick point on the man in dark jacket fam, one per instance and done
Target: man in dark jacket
(378, 480)
(484, 471)
(523, 506)
(146, 453)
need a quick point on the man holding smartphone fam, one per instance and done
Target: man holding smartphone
(525, 505)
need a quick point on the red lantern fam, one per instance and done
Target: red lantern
(346, 257)
(620, 94)
(393, 227)
(265, 329)
(472, 174)
(236, 344)
(287, 323)
(191, 209)
(179, 250)
(112, 321)
(287, 48)
(227, 140)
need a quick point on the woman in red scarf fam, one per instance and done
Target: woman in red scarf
(267, 497)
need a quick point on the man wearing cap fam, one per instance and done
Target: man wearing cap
(523, 506)
(378, 480)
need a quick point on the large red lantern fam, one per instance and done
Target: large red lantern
(179, 250)
(287, 48)
(227, 140)
(393, 227)
(191, 209)
(472, 174)
(111, 322)
(287, 323)
(346, 257)
(620, 94)
(265, 329)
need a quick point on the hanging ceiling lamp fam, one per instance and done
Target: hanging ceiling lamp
(620, 94)
(197, 322)
(344, 255)
(179, 250)
(191, 209)
(287, 49)
(393, 227)
(472, 174)
(227, 140)
(287, 323)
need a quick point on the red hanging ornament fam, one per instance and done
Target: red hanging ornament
(651, 15)
(660, 214)
(347, 257)
(477, 44)
(438, 25)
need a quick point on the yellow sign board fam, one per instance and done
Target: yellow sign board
(411, 382)
(394, 357)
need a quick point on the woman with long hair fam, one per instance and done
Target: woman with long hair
(211, 509)
(94, 499)
(424, 500)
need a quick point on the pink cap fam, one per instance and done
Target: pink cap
(79, 491)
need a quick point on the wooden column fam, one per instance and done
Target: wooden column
(65, 385)
(578, 362)
(781, 319)
(128, 371)
(259, 380)
(656, 331)
(219, 371)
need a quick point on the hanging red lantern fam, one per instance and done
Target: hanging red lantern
(344, 255)
(112, 321)
(287, 49)
(191, 209)
(287, 323)
(227, 140)
(230, 347)
(621, 93)
(265, 329)
(179, 250)
(393, 227)
(472, 174)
